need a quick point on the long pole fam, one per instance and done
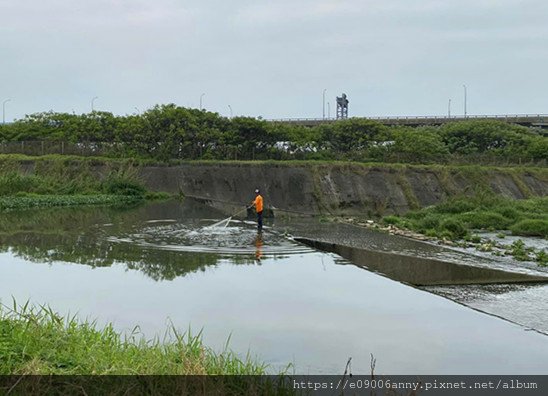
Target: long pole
(230, 107)
(201, 97)
(92, 101)
(4, 110)
(449, 109)
(323, 104)
(465, 113)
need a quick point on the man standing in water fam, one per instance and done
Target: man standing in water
(258, 202)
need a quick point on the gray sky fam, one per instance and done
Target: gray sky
(274, 58)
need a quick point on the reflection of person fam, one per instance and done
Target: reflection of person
(258, 203)
(259, 246)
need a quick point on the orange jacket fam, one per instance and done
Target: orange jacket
(258, 203)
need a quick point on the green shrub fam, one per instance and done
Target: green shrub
(460, 205)
(454, 227)
(530, 227)
(395, 220)
(484, 220)
(519, 251)
(542, 258)
(11, 183)
(430, 221)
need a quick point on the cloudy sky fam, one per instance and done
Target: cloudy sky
(274, 58)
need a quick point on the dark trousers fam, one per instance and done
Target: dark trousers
(260, 220)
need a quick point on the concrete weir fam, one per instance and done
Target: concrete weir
(420, 271)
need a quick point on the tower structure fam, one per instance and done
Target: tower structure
(342, 107)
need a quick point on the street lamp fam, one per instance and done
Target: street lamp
(323, 104)
(201, 96)
(4, 110)
(230, 107)
(449, 109)
(92, 101)
(464, 100)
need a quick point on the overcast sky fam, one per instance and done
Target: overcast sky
(274, 58)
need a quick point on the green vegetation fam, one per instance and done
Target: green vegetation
(48, 201)
(169, 132)
(458, 216)
(68, 182)
(40, 342)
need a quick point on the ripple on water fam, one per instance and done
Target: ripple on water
(238, 238)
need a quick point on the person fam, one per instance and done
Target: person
(258, 203)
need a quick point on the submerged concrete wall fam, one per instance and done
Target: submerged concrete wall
(352, 189)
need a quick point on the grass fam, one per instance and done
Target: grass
(457, 217)
(37, 341)
(70, 183)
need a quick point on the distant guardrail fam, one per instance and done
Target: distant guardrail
(525, 119)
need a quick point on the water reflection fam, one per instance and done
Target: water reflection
(163, 241)
(259, 246)
(421, 271)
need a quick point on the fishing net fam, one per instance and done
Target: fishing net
(221, 224)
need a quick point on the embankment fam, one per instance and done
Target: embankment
(342, 189)
(309, 187)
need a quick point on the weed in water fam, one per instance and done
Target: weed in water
(542, 258)
(519, 251)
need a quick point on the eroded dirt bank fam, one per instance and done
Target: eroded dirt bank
(342, 189)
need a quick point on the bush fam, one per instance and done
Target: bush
(455, 227)
(13, 182)
(430, 221)
(531, 228)
(122, 186)
(459, 205)
(485, 220)
(395, 220)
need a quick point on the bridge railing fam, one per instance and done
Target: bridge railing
(525, 117)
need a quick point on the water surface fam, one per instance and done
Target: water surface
(279, 300)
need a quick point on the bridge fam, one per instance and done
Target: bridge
(529, 120)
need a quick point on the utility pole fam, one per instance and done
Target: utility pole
(92, 101)
(323, 104)
(4, 110)
(465, 113)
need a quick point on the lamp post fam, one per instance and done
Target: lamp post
(230, 107)
(465, 113)
(449, 109)
(323, 104)
(201, 97)
(4, 110)
(92, 102)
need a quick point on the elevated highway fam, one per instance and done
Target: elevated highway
(529, 120)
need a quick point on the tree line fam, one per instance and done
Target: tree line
(168, 132)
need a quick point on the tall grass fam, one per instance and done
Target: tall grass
(39, 341)
(62, 184)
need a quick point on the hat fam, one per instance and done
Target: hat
(257, 191)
